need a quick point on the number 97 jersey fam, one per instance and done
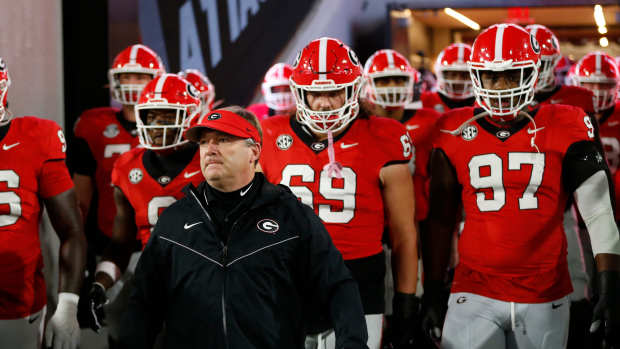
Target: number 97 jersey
(513, 246)
(351, 207)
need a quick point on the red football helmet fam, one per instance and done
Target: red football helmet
(549, 55)
(505, 48)
(275, 81)
(454, 58)
(598, 72)
(204, 86)
(137, 59)
(389, 63)
(326, 64)
(5, 82)
(166, 92)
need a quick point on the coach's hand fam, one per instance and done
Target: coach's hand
(606, 315)
(405, 323)
(63, 330)
(434, 307)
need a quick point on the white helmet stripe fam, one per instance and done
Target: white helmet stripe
(160, 84)
(499, 42)
(461, 53)
(597, 65)
(322, 58)
(534, 29)
(390, 59)
(134, 53)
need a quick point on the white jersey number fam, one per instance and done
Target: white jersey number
(155, 205)
(612, 152)
(8, 197)
(346, 193)
(493, 179)
(112, 149)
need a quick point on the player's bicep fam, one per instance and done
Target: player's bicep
(64, 215)
(124, 222)
(581, 161)
(398, 197)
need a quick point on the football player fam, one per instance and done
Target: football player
(103, 134)
(454, 86)
(33, 172)
(547, 89)
(148, 179)
(513, 170)
(353, 171)
(276, 92)
(204, 86)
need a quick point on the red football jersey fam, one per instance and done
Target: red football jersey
(261, 110)
(147, 195)
(609, 130)
(513, 246)
(570, 95)
(431, 100)
(352, 207)
(420, 124)
(107, 140)
(32, 168)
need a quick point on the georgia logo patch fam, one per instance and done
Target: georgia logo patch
(470, 132)
(284, 141)
(135, 176)
(317, 146)
(268, 226)
(111, 131)
(214, 116)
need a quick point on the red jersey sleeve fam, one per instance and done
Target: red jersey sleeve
(574, 125)
(54, 177)
(396, 143)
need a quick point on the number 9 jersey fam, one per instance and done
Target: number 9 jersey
(513, 246)
(32, 168)
(351, 207)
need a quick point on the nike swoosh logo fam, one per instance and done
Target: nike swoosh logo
(246, 190)
(345, 146)
(613, 123)
(412, 127)
(530, 131)
(187, 226)
(191, 174)
(7, 147)
(31, 320)
(555, 306)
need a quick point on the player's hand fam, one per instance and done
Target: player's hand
(95, 316)
(63, 330)
(433, 310)
(405, 323)
(606, 315)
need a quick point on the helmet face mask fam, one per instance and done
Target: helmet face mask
(166, 108)
(135, 59)
(453, 79)
(326, 66)
(382, 68)
(508, 53)
(598, 73)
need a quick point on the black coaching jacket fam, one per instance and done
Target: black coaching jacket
(247, 292)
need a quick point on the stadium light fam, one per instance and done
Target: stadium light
(603, 42)
(461, 18)
(599, 17)
(602, 30)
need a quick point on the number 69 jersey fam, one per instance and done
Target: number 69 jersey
(513, 246)
(147, 195)
(351, 207)
(32, 168)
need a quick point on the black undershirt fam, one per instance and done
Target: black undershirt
(164, 167)
(4, 130)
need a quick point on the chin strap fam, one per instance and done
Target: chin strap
(333, 168)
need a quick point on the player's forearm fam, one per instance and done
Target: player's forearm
(405, 265)
(607, 261)
(72, 260)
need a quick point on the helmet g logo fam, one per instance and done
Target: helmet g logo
(268, 226)
(192, 91)
(214, 116)
(297, 59)
(2, 65)
(353, 57)
(535, 45)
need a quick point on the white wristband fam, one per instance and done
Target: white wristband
(109, 268)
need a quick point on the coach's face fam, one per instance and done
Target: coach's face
(228, 162)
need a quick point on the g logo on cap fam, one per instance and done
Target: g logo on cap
(214, 116)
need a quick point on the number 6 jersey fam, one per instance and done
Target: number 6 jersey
(513, 246)
(350, 207)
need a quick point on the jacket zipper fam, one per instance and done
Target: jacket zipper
(224, 326)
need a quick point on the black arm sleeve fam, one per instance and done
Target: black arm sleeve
(582, 160)
(143, 317)
(331, 281)
(444, 210)
(80, 158)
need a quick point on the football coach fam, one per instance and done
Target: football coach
(234, 263)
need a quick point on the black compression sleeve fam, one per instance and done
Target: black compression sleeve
(582, 160)
(80, 158)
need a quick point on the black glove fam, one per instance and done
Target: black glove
(405, 320)
(94, 316)
(434, 306)
(606, 315)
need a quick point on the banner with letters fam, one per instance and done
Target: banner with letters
(234, 42)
